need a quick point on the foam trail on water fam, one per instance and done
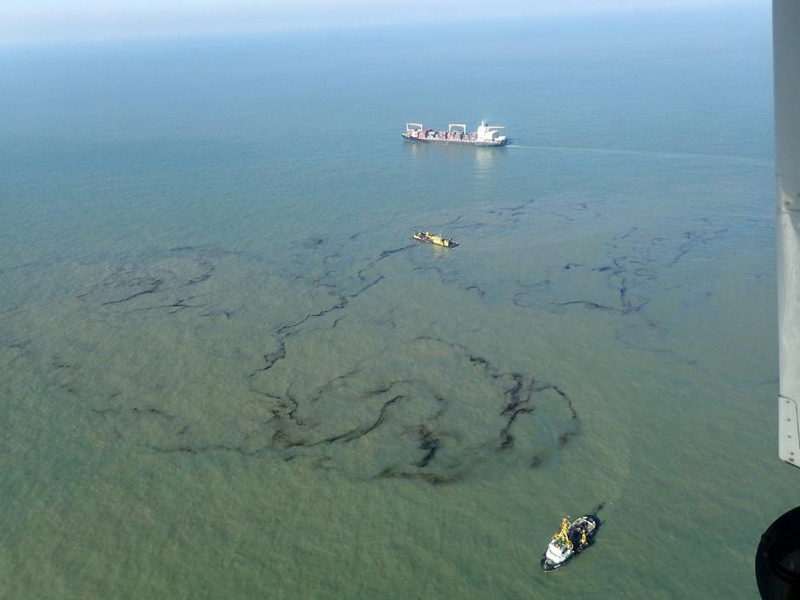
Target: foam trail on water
(682, 155)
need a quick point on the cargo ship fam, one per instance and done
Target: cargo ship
(486, 135)
(438, 240)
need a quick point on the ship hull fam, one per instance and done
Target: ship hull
(415, 140)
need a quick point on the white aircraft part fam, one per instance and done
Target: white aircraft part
(786, 44)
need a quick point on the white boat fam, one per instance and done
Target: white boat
(456, 133)
(569, 541)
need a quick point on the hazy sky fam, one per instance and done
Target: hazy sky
(33, 21)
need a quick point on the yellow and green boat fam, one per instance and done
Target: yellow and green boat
(438, 240)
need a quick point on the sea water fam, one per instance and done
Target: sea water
(228, 371)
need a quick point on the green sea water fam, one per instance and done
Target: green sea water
(228, 371)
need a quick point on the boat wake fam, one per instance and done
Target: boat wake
(597, 509)
(622, 152)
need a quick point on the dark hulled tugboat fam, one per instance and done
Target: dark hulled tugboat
(570, 540)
